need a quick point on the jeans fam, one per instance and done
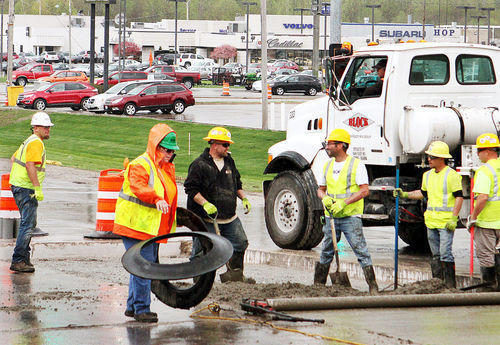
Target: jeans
(139, 289)
(352, 228)
(27, 205)
(441, 242)
(232, 231)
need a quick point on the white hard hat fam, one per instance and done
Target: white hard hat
(41, 119)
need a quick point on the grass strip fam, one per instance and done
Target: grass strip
(102, 142)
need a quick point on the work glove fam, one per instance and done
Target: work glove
(38, 193)
(328, 202)
(470, 222)
(209, 208)
(338, 207)
(246, 205)
(451, 224)
(398, 192)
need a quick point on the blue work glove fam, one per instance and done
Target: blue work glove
(451, 224)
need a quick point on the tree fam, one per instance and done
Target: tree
(131, 49)
(225, 52)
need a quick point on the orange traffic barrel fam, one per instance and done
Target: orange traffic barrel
(8, 207)
(109, 186)
(269, 91)
(225, 89)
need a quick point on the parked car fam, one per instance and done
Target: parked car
(31, 72)
(166, 97)
(296, 83)
(49, 57)
(61, 94)
(84, 56)
(28, 56)
(5, 55)
(188, 60)
(119, 77)
(61, 66)
(285, 71)
(21, 61)
(166, 58)
(283, 65)
(257, 85)
(65, 76)
(98, 70)
(180, 74)
(205, 72)
(235, 67)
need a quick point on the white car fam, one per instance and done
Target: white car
(188, 60)
(257, 85)
(49, 57)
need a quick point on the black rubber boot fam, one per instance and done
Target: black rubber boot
(449, 274)
(497, 270)
(320, 272)
(436, 268)
(488, 276)
(234, 271)
(370, 279)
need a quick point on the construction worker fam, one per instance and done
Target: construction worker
(342, 188)
(442, 186)
(146, 208)
(376, 89)
(213, 185)
(486, 214)
(26, 178)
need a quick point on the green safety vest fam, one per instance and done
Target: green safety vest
(344, 187)
(491, 211)
(19, 175)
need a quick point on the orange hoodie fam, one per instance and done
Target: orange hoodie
(139, 178)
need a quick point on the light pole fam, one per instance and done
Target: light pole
(373, 7)
(326, 7)
(478, 19)
(1, 43)
(69, 33)
(187, 9)
(489, 9)
(465, 8)
(248, 4)
(302, 10)
(175, 35)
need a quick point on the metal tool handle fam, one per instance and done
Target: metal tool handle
(216, 225)
(334, 241)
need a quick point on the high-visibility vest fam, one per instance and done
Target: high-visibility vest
(440, 199)
(491, 211)
(344, 186)
(131, 211)
(19, 175)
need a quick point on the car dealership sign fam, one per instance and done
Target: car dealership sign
(298, 26)
(276, 43)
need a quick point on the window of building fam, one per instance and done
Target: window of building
(429, 70)
(474, 69)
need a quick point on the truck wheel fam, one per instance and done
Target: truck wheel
(39, 104)
(290, 219)
(188, 83)
(179, 106)
(21, 81)
(187, 64)
(130, 109)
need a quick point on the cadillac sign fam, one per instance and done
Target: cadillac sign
(275, 43)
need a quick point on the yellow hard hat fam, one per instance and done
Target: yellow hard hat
(341, 135)
(439, 149)
(372, 44)
(347, 45)
(220, 134)
(487, 140)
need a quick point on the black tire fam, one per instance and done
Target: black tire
(290, 219)
(187, 64)
(99, 112)
(21, 81)
(179, 106)
(130, 109)
(153, 110)
(279, 91)
(39, 104)
(188, 83)
(84, 103)
(166, 110)
(75, 108)
(312, 91)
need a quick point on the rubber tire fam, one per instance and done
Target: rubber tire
(152, 111)
(307, 232)
(166, 110)
(21, 81)
(132, 109)
(178, 102)
(188, 83)
(187, 64)
(312, 91)
(415, 235)
(82, 103)
(279, 91)
(99, 112)
(75, 108)
(39, 104)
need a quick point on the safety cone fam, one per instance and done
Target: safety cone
(269, 92)
(225, 89)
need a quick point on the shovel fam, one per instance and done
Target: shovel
(337, 277)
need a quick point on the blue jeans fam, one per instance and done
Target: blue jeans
(352, 228)
(27, 205)
(441, 243)
(232, 231)
(139, 289)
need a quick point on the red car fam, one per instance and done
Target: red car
(61, 94)
(116, 77)
(30, 72)
(166, 97)
(283, 64)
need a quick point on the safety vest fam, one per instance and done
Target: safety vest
(440, 197)
(344, 186)
(491, 211)
(19, 175)
(134, 213)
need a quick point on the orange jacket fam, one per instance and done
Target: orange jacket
(139, 178)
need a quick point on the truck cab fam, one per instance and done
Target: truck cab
(31, 72)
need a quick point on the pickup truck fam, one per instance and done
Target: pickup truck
(180, 74)
(31, 72)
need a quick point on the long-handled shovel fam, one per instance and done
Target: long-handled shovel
(337, 277)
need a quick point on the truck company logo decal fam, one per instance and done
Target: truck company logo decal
(358, 122)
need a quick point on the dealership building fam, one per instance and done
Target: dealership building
(289, 37)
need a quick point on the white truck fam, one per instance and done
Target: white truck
(430, 91)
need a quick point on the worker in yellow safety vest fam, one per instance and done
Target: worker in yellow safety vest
(442, 186)
(26, 178)
(342, 188)
(486, 214)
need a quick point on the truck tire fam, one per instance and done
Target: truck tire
(415, 235)
(21, 81)
(290, 219)
(188, 83)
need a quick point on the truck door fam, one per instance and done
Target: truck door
(361, 97)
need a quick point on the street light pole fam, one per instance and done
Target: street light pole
(124, 32)
(69, 33)
(248, 4)
(488, 9)
(465, 8)
(326, 6)
(1, 43)
(373, 7)
(478, 19)
(175, 34)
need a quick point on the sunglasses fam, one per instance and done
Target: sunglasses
(226, 145)
(167, 150)
(431, 157)
(481, 150)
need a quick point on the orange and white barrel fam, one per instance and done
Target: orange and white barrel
(225, 89)
(110, 184)
(8, 207)
(269, 92)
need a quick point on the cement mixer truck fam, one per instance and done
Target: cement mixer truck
(430, 91)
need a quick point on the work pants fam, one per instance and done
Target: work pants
(27, 205)
(352, 228)
(486, 240)
(139, 289)
(441, 243)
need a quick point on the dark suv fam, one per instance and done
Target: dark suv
(296, 83)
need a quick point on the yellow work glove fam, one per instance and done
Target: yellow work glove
(399, 192)
(246, 205)
(209, 208)
(451, 224)
(38, 193)
(338, 207)
(328, 202)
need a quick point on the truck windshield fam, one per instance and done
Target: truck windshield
(364, 78)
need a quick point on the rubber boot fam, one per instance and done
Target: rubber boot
(320, 273)
(497, 270)
(234, 271)
(436, 268)
(488, 276)
(449, 274)
(370, 279)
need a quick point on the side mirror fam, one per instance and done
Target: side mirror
(142, 95)
(50, 91)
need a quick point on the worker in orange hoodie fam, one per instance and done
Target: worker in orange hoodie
(146, 208)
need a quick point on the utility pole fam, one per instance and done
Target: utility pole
(315, 9)
(10, 42)
(478, 19)
(175, 34)
(373, 7)
(326, 7)
(335, 21)
(124, 41)
(488, 9)
(92, 43)
(423, 24)
(69, 33)
(120, 40)
(263, 62)
(1, 43)
(247, 4)
(465, 8)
